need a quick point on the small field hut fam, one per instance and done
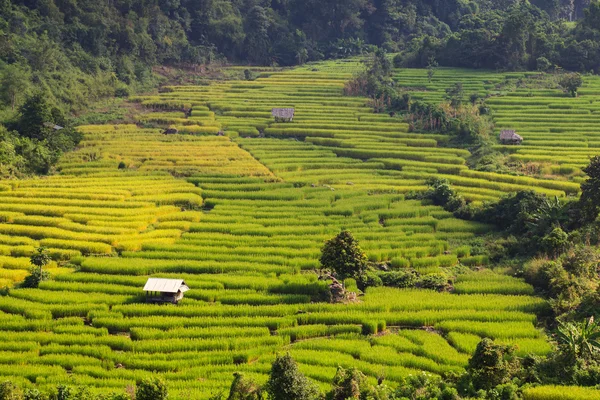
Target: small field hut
(283, 114)
(509, 136)
(159, 290)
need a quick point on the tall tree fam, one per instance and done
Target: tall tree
(14, 83)
(286, 382)
(257, 43)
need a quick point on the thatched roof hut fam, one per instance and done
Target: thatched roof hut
(509, 136)
(283, 114)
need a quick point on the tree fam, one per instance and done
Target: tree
(432, 66)
(14, 83)
(491, 364)
(286, 382)
(10, 391)
(302, 56)
(343, 256)
(32, 114)
(555, 242)
(579, 340)
(257, 37)
(571, 82)
(243, 388)
(455, 94)
(349, 384)
(379, 65)
(38, 260)
(590, 191)
(151, 389)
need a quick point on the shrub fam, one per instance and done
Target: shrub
(244, 389)
(437, 281)
(286, 382)
(151, 389)
(9, 391)
(368, 279)
(348, 384)
(491, 364)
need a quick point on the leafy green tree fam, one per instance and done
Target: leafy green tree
(590, 191)
(33, 394)
(425, 386)
(243, 388)
(571, 83)
(555, 242)
(10, 391)
(286, 382)
(432, 66)
(349, 384)
(579, 340)
(32, 114)
(491, 364)
(302, 56)
(455, 94)
(343, 255)
(151, 389)
(14, 83)
(257, 36)
(39, 259)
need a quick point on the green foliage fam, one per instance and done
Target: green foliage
(491, 365)
(571, 83)
(34, 112)
(10, 391)
(590, 191)
(151, 389)
(243, 388)
(15, 82)
(40, 258)
(348, 384)
(455, 95)
(555, 242)
(425, 386)
(286, 382)
(37, 273)
(579, 340)
(343, 256)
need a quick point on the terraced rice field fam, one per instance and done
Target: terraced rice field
(242, 219)
(560, 132)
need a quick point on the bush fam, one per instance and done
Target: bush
(151, 389)
(369, 279)
(9, 391)
(286, 382)
(244, 389)
(491, 365)
(434, 281)
(399, 279)
(349, 384)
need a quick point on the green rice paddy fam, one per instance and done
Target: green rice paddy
(241, 218)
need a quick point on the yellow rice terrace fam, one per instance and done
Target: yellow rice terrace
(209, 190)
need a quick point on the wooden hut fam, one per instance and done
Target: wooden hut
(159, 290)
(53, 126)
(283, 114)
(508, 136)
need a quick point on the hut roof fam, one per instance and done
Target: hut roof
(165, 285)
(53, 126)
(283, 112)
(509, 134)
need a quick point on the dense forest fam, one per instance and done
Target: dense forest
(83, 50)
